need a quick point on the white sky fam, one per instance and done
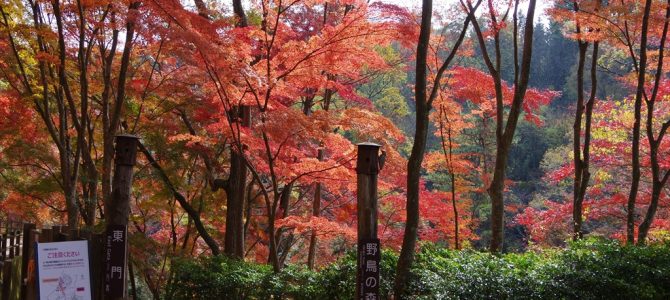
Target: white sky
(441, 5)
(438, 6)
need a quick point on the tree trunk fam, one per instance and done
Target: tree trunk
(316, 212)
(235, 191)
(423, 105)
(273, 257)
(457, 243)
(448, 152)
(635, 181)
(416, 157)
(192, 213)
(496, 194)
(284, 242)
(643, 230)
(576, 143)
(505, 130)
(658, 181)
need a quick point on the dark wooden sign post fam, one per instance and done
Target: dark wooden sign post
(369, 251)
(116, 215)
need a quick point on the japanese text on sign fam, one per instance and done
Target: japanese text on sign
(369, 256)
(115, 260)
(63, 270)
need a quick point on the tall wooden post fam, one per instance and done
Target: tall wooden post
(26, 255)
(369, 255)
(116, 215)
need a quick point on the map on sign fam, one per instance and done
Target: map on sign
(63, 271)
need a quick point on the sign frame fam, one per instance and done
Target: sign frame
(68, 256)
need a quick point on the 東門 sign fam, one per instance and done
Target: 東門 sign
(115, 261)
(63, 270)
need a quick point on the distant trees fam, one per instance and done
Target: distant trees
(505, 127)
(63, 59)
(248, 122)
(636, 33)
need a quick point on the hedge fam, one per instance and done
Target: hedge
(588, 269)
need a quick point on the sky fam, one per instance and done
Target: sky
(440, 5)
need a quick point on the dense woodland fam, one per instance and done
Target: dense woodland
(504, 128)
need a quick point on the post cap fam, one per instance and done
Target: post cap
(125, 150)
(368, 158)
(368, 144)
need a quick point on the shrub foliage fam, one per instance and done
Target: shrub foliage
(589, 269)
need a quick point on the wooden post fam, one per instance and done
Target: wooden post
(369, 255)
(125, 155)
(116, 215)
(46, 235)
(3, 246)
(18, 239)
(97, 250)
(11, 240)
(31, 277)
(28, 241)
(5, 263)
(55, 233)
(6, 278)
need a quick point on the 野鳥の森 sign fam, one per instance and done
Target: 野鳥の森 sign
(369, 253)
(63, 270)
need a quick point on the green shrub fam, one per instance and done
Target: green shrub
(588, 269)
(221, 278)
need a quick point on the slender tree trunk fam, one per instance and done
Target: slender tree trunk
(505, 130)
(316, 212)
(447, 149)
(635, 181)
(416, 157)
(457, 241)
(284, 241)
(496, 194)
(273, 257)
(658, 180)
(576, 143)
(585, 165)
(424, 102)
(643, 230)
(192, 213)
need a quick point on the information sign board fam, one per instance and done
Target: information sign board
(63, 270)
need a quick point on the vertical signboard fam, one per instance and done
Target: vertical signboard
(115, 261)
(63, 270)
(369, 256)
(368, 164)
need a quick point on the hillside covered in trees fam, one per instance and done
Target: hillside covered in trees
(537, 135)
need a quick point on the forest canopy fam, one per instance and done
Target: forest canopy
(505, 126)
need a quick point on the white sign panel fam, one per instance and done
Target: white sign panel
(63, 271)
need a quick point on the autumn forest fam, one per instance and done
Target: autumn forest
(524, 149)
